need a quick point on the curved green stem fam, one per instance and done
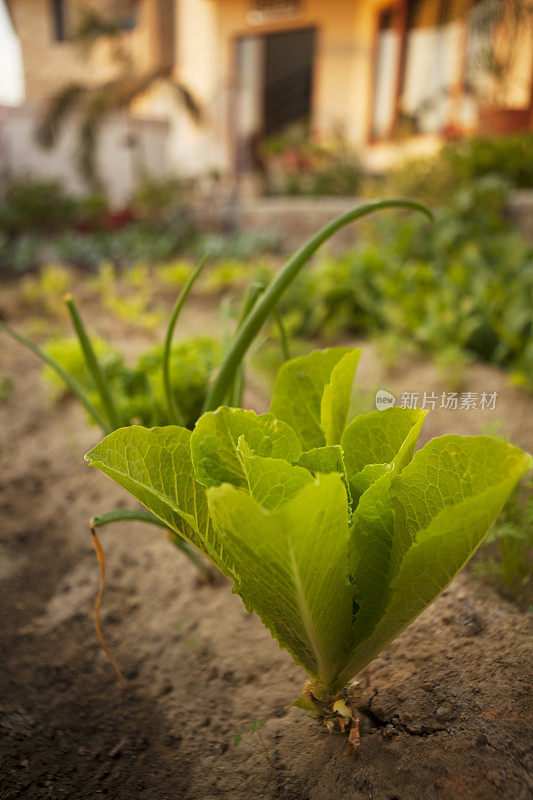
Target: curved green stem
(284, 340)
(224, 310)
(93, 366)
(140, 515)
(73, 385)
(257, 317)
(252, 293)
(122, 514)
(174, 413)
(237, 387)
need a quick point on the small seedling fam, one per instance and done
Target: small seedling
(44, 292)
(5, 388)
(261, 747)
(507, 553)
(510, 564)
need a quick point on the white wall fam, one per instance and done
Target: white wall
(11, 71)
(193, 149)
(20, 155)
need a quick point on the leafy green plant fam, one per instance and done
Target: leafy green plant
(507, 554)
(257, 307)
(436, 179)
(155, 198)
(139, 390)
(337, 535)
(5, 387)
(67, 352)
(261, 747)
(114, 395)
(130, 296)
(44, 292)
(227, 274)
(510, 157)
(175, 273)
(27, 204)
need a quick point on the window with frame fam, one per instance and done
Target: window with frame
(386, 59)
(438, 63)
(58, 9)
(432, 64)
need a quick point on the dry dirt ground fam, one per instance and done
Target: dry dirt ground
(445, 709)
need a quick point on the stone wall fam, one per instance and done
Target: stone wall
(295, 219)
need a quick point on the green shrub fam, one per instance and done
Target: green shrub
(467, 282)
(510, 157)
(32, 205)
(157, 198)
(435, 179)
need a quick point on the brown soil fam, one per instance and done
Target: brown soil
(444, 709)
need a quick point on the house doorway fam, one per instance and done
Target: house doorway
(274, 90)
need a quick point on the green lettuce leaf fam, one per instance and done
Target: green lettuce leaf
(155, 467)
(214, 444)
(292, 568)
(298, 396)
(336, 397)
(271, 481)
(323, 459)
(377, 437)
(439, 509)
(373, 441)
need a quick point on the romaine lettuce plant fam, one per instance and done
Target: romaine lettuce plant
(177, 394)
(337, 535)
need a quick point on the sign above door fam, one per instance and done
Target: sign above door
(262, 11)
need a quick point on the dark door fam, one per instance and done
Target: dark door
(288, 79)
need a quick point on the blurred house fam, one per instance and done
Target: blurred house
(391, 79)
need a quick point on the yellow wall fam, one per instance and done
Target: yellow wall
(49, 64)
(342, 65)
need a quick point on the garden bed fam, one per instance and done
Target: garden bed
(444, 709)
